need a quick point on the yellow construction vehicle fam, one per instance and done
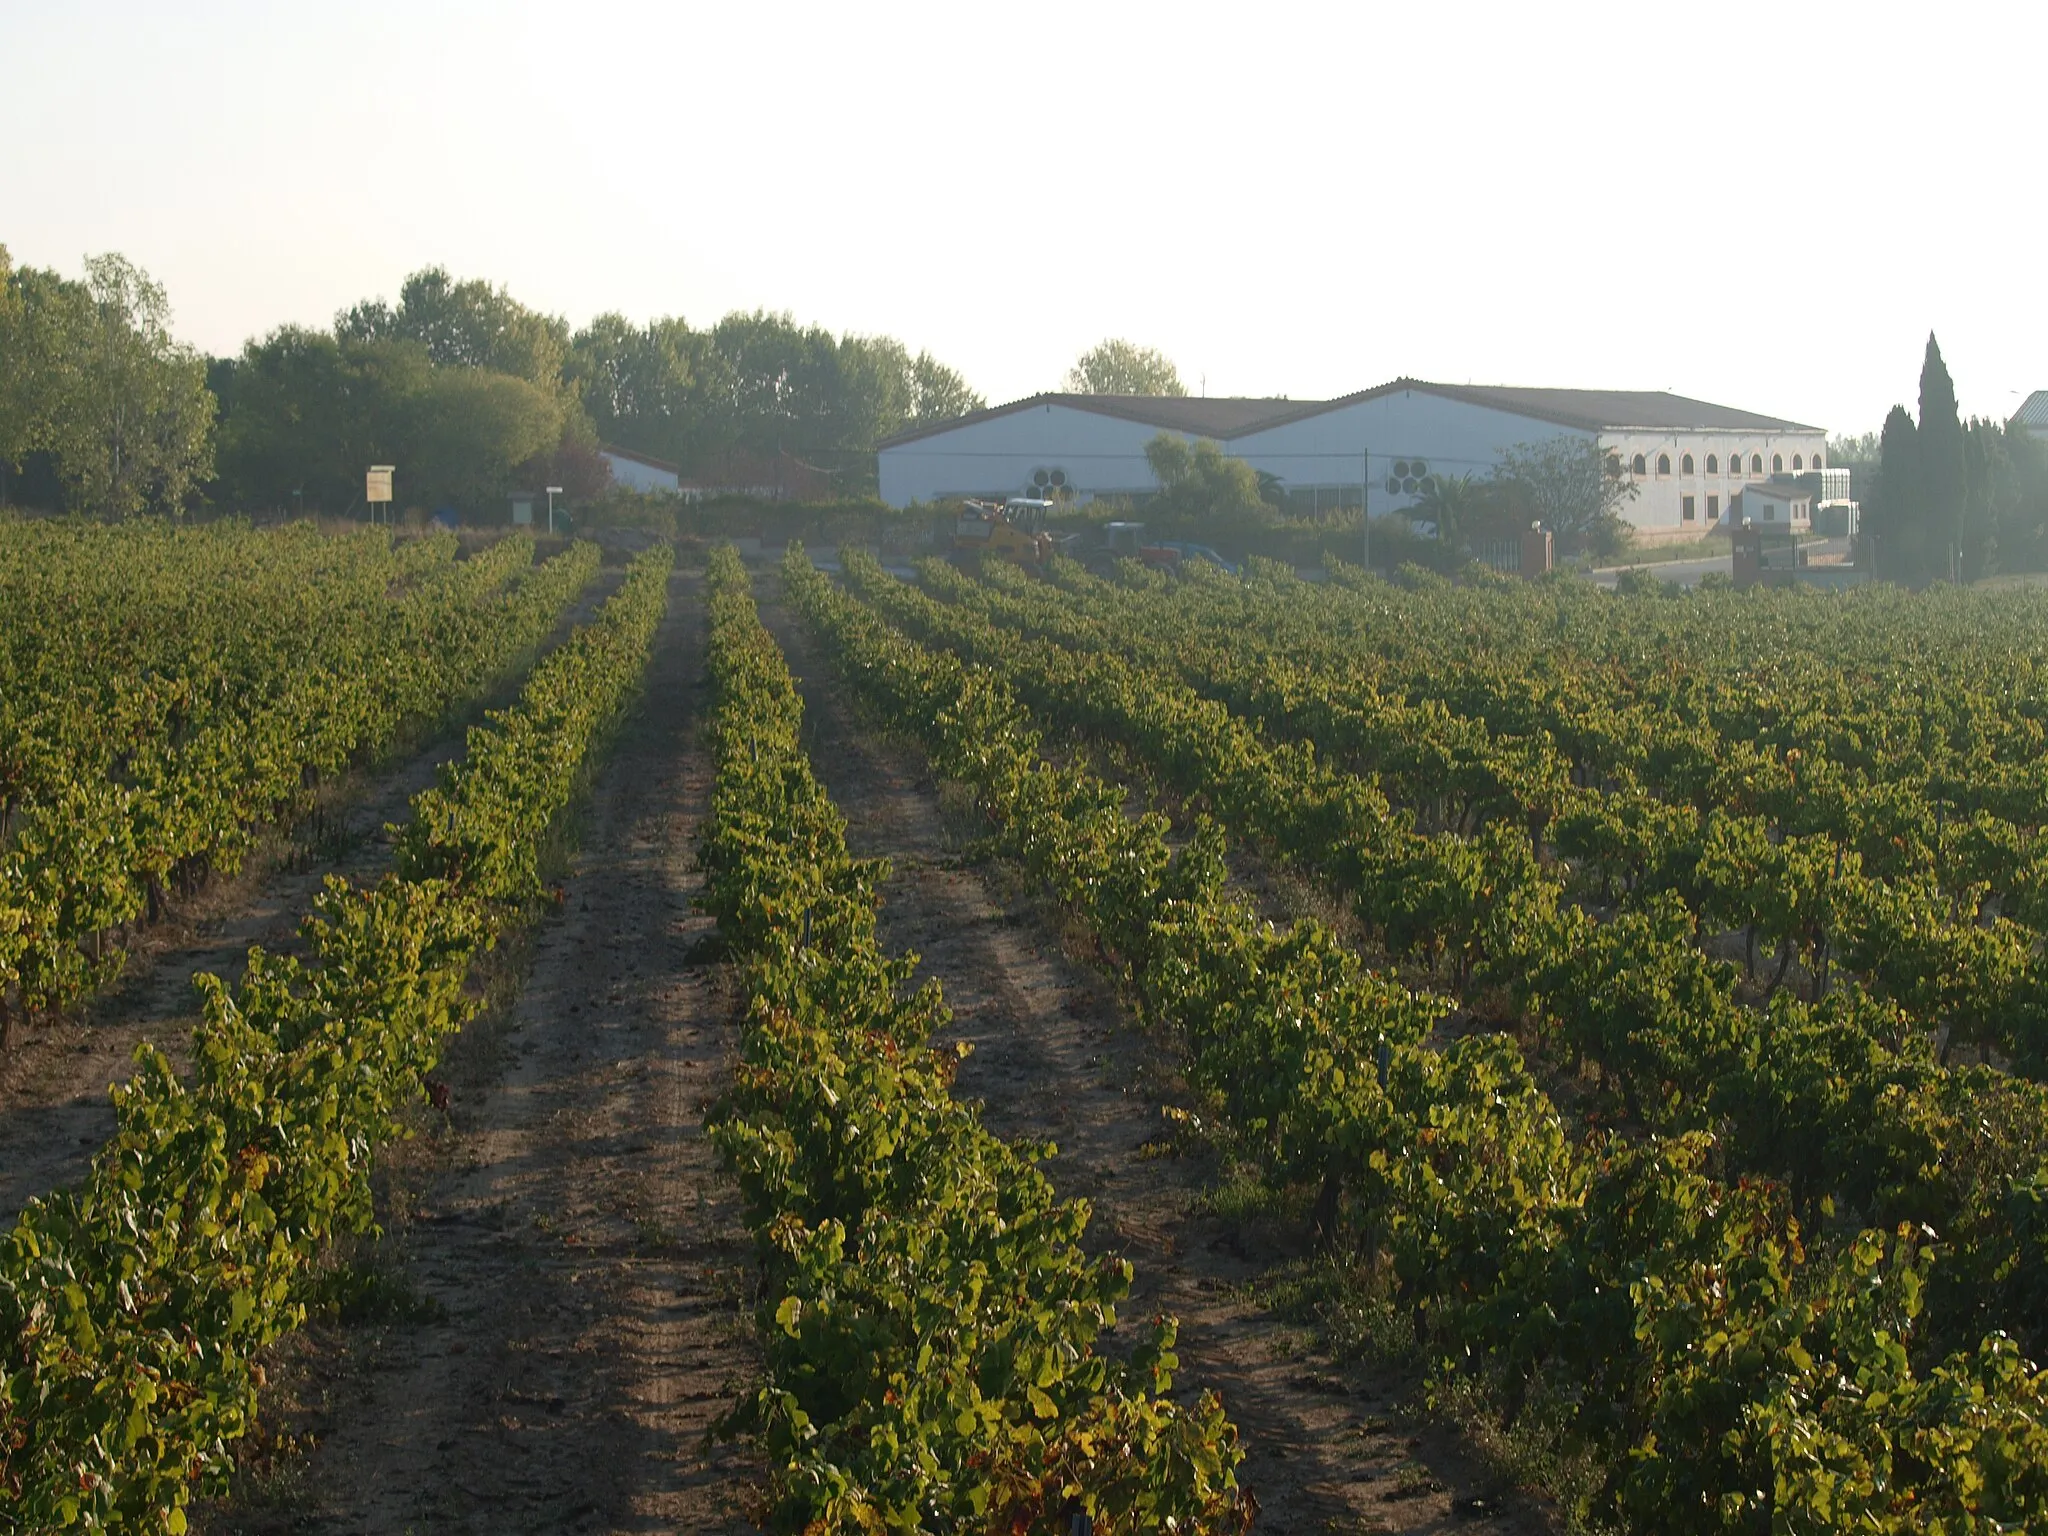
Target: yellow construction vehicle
(1013, 530)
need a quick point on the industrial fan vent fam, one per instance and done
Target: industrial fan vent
(1410, 477)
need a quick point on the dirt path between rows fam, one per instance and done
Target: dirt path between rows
(575, 1274)
(55, 1111)
(1054, 1057)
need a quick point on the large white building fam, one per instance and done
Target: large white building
(1689, 459)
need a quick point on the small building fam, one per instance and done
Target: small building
(2032, 416)
(1774, 503)
(639, 472)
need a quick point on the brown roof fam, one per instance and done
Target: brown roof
(1589, 410)
(1204, 416)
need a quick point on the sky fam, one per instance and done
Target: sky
(1768, 205)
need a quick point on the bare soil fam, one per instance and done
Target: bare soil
(1329, 1446)
(56, 1110)
(572, 1282)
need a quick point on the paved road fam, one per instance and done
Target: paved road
(1687, 573)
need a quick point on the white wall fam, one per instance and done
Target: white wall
(1452, 437)
(1102, 455)
(636, 476)
(1659, 503)
(1105, 455)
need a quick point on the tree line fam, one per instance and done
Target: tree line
(1948, 499)
(470, 392)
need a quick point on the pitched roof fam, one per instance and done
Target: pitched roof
(1589, 410)
(1219, 418)
(2033, 411)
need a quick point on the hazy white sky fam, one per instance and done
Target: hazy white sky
(1764, 204)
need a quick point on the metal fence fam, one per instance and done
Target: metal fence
(1500, 554)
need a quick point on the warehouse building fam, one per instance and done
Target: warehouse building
(1083, 446)
(1689, 459)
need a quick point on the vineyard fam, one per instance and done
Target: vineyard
(1763, 1237)
(1608, 1035)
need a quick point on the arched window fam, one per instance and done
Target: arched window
(1817, 463)
(1685, 465)
(1777, 463)
(1614, 465)
(1756, 463)
(1663, 463)
(1713, 465)
(1638, 465)
(1797, 463)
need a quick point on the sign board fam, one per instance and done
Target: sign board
(377, 484)
(522, 511)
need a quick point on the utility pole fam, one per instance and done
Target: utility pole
(1365, 503)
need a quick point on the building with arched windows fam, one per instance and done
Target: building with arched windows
(1687, 460)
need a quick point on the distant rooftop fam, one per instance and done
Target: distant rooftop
(2033, 413)
(1590, 410)
(1218, 417)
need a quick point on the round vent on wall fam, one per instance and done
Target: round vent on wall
(1048, 483)
(1410, 477)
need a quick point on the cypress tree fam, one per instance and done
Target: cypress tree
(1989, 472)
(1944, 483)
(1895, 523)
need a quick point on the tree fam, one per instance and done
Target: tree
(1123, 368)
(757, 385)
(306, 412)
(1944, 484)
(13, 393)
(1893, 519)
(659, 389)
(938, 393)
(1928, 517)
(1991, 495)
(1200, 480)
(295, 428)
(471, 430)
(2023, 524)
(466, 324)
(1573, 487)
(103, 387)
(1464, 509)
(782, 381)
